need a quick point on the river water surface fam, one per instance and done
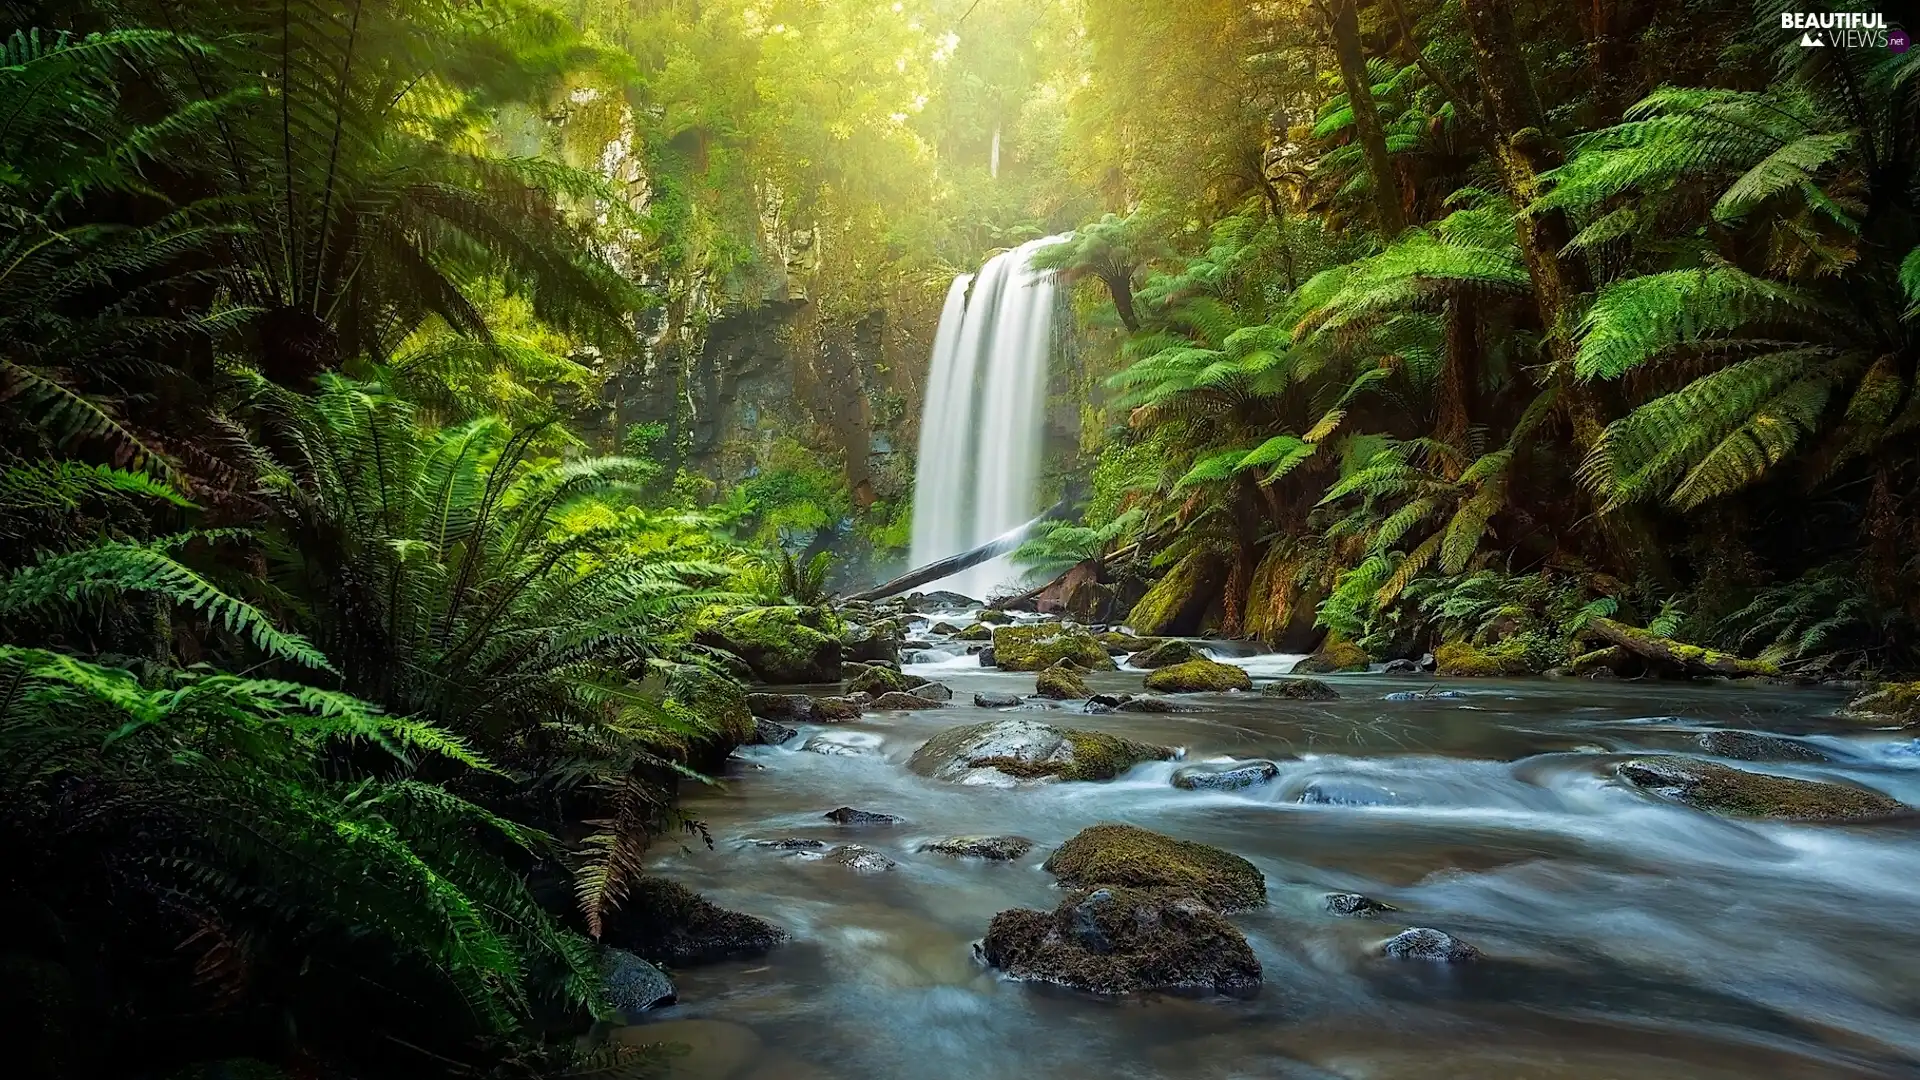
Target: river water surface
(1624, 937)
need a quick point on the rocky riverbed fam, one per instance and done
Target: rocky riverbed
(964, 870)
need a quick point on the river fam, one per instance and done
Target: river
(1623, 937)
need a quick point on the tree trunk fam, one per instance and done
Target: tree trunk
(1672, 655)
(953, 564)
(1521, 152)
(1366, 120)
(1456, 380)
(1122, 290)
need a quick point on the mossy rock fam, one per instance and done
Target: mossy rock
(991, 848)
(1334, 656)
(1300, 689)
(1130, 643)
(1135, 857)
(880, 641)
(976, 632)
(781, 644)
(1178, 601)
(717, 701)
(1706, 785)
(1113, 940)
(902, 700)
(1062, 683)
(876, 680)
(1014, 749)
(993, 617)
(1889, 703)
(1030, 648)
(1461, 659)
(1199, 676)
(1165, 654)
(668, 923)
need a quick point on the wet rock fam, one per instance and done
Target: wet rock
(976, 632)
(717, 699)
(1096, 708)
(1199, 676)
(1355, 906)
(993, 617)
(1754, 746)
(1110, 701)
(946, 629)
(877, 680)
(793, 843)
(1300, 689)
(1421, 943)
(1165, 654)
(996, 848)
(1888, 703)
(1030, 648)
(859, 698)
(793, 708)
(1402, 667)
(780, 644)
(1061, 682)
(847, 815)
(894, 701)
(633, 985)
(667, 923)
(1341, 791)
(987, 658)
(933, 691)
(1115, 940)
(1134, 857)
(1722, 789)
(1149, 704)
(1462, 659)
(863, 859)
(1225, 775)
(1425, 695)
(830, 746)
(990, 700)
(771, 732)
(942, 600)
(834, 710)
(1022, 749)
(1333, 656)
(879, 641)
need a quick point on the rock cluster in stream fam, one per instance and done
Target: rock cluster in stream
(1145, 912)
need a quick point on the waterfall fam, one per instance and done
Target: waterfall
(985, 406)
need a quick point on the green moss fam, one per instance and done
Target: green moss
(1114, 639)
(1175, 595)
(1891, 702)
(976, 632)
(1720, 788)
(877, 679)
(1061, 683)
(1335, 654)
(1459, 658)
(1300, 689)
(1123, 941)
(994, 617)
(1100, 756)
(785, 644)
(717, 702)
(1130, 856)
(1164, 654)
(1198, 676)
(1030, 648)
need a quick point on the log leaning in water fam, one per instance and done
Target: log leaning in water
(953, 564)
(1673, 655)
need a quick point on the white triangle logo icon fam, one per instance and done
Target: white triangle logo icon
(1808, 41)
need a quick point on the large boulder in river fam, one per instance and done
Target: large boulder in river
(1199, 676)
(1888, 703)
(877, 679)
(1062, 682)
(994, 848)
(795, 708)
(633, 985)
(1300, 689)
(1224, 775)
(669, 923)
(1115, 940)
(1706, 785)
(1165, 654)
(717, 700)
(1756, 746)
(1178, 603)
(899, 701)
(1134, 857)
(1003, 751)
(880, 641)
(1030, 648)
(787, 644)
(1426, 943)
(1334, 655)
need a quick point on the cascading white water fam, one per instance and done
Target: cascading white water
(980, 430)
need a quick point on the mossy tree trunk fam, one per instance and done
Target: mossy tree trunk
(1344, 21)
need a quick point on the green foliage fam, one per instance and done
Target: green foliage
(1061, 544)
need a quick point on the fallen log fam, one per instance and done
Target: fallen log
(953, 564)
(1674, 655)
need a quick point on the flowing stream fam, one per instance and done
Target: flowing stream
(1624, 937)
(985, 407)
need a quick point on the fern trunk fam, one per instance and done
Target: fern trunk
(1366, 119)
